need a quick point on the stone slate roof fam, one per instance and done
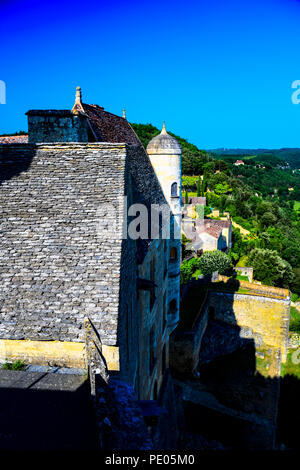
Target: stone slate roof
(14, 139)
(108, 127)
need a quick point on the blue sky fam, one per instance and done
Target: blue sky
(218, 72)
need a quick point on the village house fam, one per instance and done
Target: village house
(206, 234)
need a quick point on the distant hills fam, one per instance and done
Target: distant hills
(290, 155)
(191, 153)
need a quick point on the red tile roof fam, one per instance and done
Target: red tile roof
(223, 223)
(14, 139)
(212, 227)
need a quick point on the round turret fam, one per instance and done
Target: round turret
(165, 155)
(164, 144)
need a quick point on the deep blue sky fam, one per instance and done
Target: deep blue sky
(219, 72)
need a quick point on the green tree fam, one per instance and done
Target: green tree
(267, 219)
(186, 197)
(199, 187)
(215, 260)
(270, 268)
(187, 269)
(222, 188)
(203, 186)
(296, 281)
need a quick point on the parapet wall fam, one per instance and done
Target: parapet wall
(54, 267)
(185, 344)
(261, 289)
(261, 315)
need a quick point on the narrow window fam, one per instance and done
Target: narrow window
(164, 313)
(155, 391)
(152, 349)
(164, 360)
(152, 278)
(174, 190)
(128, 331)
(173, 254)
(172, 306)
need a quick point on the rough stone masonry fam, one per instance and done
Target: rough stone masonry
(54, 268)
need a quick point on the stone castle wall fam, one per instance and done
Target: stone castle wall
(259, 289)
(185, 345)
(54, 268)
(144, 326)
(261, 317)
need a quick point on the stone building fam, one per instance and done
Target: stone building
(65, 256)
(208, 234)
(165, 155)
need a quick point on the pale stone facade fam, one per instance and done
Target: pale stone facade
(165, 155)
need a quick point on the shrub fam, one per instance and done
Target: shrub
(243, 262)
(17, 365)
(187, 269)
(294, 320)
(215, 260)
(270, 268)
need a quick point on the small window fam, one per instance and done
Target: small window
(174, 190)
(155, 395)
(152, 358)
(164, 360)
(152, 278)
(129, 330)
(173, 254)
(211, 312)
(164, 312)
(172, 306)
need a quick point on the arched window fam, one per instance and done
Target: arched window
(174, 190)
(172, 306)
(211, 312)
(173, 254)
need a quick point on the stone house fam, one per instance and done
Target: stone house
(206, 234)
(65, 198)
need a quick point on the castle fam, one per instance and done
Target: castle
(66, 259)
(90, 255)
